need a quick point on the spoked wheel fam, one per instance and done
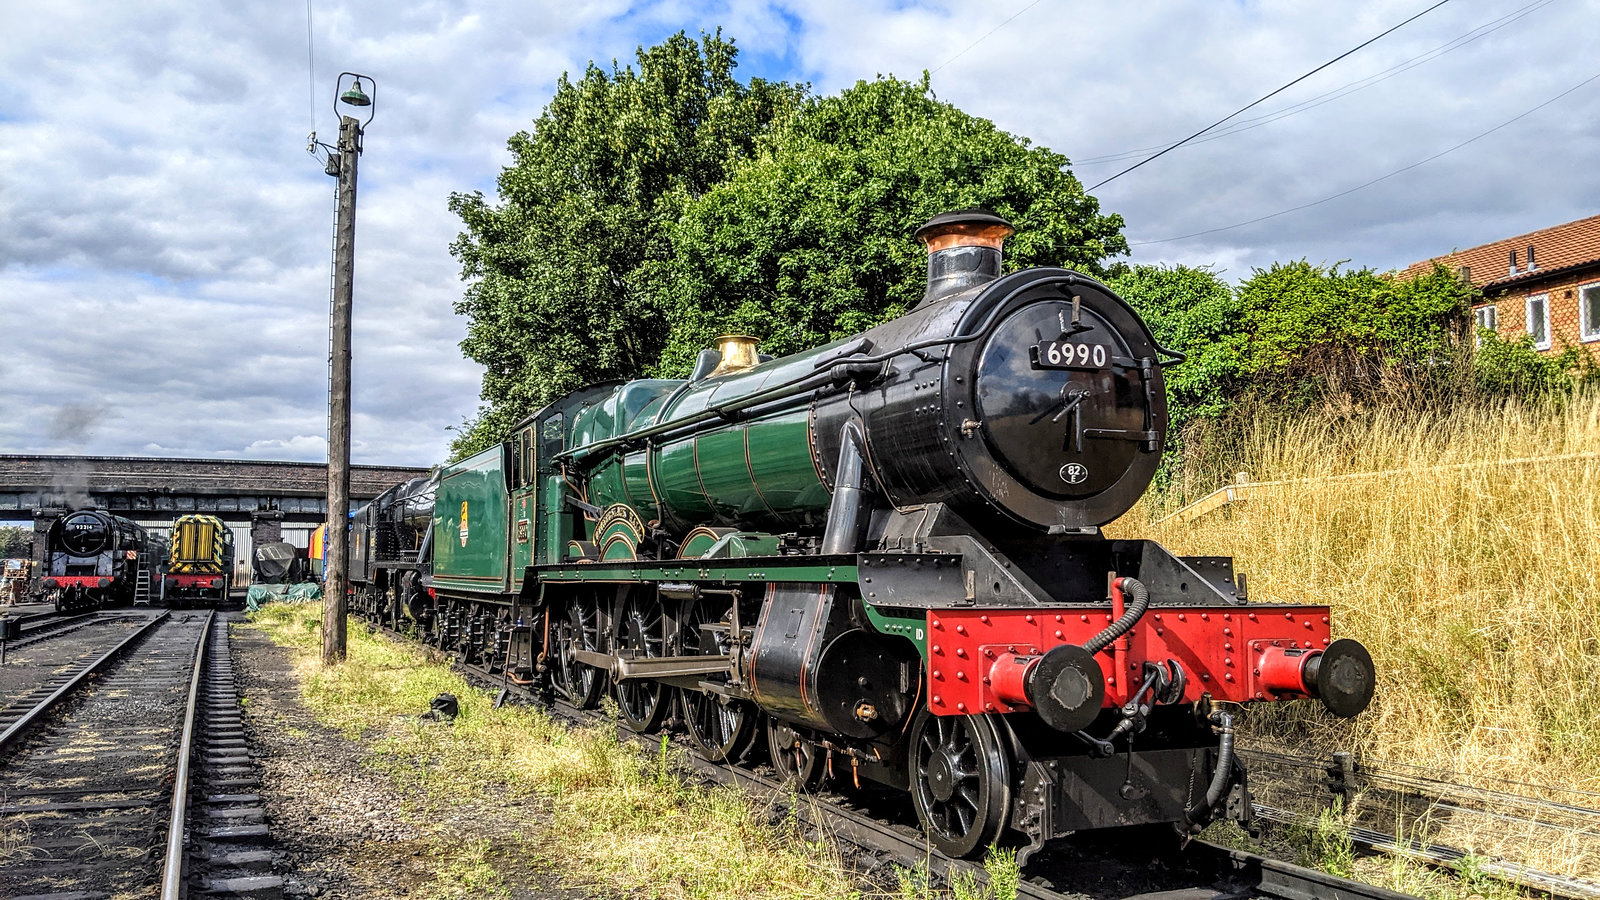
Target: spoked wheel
(643, 631)
(798, 761)
(578, 630)
(722, 728)
(960, 781)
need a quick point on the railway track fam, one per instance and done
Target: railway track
(96, 774)
(1202, 871)
(34, 631)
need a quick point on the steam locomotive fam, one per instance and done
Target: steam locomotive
(93, 558)
(391, 550)
(884, 555)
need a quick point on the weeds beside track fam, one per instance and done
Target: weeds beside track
(1475, 585)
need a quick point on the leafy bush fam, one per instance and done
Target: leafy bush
(1350, 337)
(1511, 368)
(1190, 310)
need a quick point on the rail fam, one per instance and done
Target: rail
(172, 870)
(1535, 818)
(18, 727)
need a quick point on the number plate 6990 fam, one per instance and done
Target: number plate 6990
(1071, 355)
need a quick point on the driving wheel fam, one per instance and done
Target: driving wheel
(960, 781)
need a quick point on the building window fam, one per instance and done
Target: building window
(1539, 321)
(1488, 319)
(1589, 311)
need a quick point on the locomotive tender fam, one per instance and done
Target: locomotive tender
(93, 558)
(884, 554)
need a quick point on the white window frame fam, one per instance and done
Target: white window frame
(1544, 303)
(1587, 293)
(1487, 317)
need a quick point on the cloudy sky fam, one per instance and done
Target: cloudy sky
(165, 239)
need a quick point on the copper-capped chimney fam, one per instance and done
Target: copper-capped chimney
(963, 250)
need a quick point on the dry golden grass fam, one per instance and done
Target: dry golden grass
(1470, 567)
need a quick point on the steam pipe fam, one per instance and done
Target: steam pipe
(843, 533)
(1219, 778)
(1130, 617)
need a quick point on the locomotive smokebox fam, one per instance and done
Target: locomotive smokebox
(963, 250)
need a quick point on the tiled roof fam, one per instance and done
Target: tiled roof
(1560, 247)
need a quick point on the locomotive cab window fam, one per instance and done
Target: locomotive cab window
(551, 431)
(527, 455)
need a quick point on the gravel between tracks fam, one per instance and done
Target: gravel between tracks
(346, 831)
(28, 667)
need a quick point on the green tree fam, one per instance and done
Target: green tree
(811, 239)
(1193, 311)
(558, 295)
(15, 542)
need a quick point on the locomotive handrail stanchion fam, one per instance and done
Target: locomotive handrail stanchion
(172, 871)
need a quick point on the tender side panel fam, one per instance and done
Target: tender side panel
(470, 520)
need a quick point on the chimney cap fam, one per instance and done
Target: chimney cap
(974, 216)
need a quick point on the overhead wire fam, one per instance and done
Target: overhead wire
(1274, 93)
(1384, 177)
(1337, 93)
(985, 35)
(311, 74)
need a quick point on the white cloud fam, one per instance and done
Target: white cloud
(1091, 79)
(164, 239)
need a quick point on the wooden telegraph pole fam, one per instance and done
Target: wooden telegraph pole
(335, 584)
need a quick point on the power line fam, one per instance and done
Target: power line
(1280, 90)
(1374, 181)
(986, 34)
(1342, 91)
(311, 72)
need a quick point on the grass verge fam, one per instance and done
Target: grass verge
(614, 820)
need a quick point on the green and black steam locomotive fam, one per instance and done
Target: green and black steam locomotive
(884, 556)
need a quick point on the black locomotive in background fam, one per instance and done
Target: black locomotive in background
(93, 558)
(391, 549)
(884, 556)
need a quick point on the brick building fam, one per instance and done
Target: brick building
(1545, 283)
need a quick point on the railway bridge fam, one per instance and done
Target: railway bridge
(261, 500)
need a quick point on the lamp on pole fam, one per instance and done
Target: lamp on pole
(341, 164)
